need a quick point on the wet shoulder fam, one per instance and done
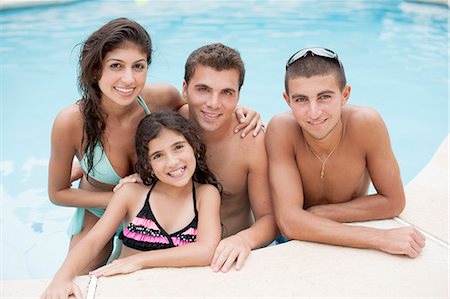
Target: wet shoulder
(283, 125)
(69, 120)
(362, 120)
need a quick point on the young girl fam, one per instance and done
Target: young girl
(99, 129)
(172, 220)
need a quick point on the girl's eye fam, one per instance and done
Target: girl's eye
(156, 156)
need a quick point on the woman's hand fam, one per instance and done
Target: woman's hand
(132, 178)
(249, 120)
(60, 288)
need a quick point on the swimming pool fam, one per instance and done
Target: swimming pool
(395, 54)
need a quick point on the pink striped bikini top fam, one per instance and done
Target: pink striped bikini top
(145, 233)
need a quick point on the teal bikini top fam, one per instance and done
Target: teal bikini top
(103, 170)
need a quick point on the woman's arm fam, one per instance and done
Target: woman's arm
(65, 139)
(198, 253)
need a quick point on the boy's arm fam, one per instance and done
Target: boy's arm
(384, 172)
(296, 223)
(237, 247)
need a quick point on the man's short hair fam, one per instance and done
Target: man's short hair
(314, 65)
(216, 56)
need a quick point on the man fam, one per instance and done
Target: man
(323, 155)
(214, 75)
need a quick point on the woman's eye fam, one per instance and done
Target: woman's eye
(115, 66)
(140, 66)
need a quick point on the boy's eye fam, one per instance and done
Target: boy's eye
(300, 100)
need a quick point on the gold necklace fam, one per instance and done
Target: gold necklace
(322, 170)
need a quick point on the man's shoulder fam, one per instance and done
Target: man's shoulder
(361, 117)
(283, 119)
(361, 113)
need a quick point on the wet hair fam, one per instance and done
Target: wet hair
(115, 34)
(217, 56)
(151, 126)
(313, 65)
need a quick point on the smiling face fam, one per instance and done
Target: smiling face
(316, 103)
(124, 72)
(212, 96)
(171, 158)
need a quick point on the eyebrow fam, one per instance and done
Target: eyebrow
(202, 85)
(120, 60)
(174, 144)
(297, 95)
(325, 91)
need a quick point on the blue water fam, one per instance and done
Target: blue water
(395, 54)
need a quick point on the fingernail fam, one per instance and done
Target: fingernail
(242, 120)
(236, 130)
(243, 135)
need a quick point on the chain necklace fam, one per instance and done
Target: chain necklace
(322, 169)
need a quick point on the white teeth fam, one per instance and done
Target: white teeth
(211, 115)
(124, 90)
(177, 172)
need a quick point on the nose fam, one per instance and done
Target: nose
(128, 76)
(172, 160)
(314, 110)
(213, 101)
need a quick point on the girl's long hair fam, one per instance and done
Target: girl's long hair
(111, 36)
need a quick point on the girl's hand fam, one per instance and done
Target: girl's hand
(121, 266)
(132, 178)
(62, 289)
(249, 119)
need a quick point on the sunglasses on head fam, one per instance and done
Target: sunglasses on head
(322, 52)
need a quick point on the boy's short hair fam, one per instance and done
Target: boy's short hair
(217, 56)
(314, 65)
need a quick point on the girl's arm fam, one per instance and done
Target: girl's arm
(198, 253)
(65, 139)
(90, 246)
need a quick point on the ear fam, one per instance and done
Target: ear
(184, 92)
(346, 94)
(286, 98)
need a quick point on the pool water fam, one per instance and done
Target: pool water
(395, 54)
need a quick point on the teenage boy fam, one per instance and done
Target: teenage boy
(323, 155)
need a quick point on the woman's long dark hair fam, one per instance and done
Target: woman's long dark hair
(151, 126)
(109, 37)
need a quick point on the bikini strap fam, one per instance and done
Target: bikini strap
(144, 105)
